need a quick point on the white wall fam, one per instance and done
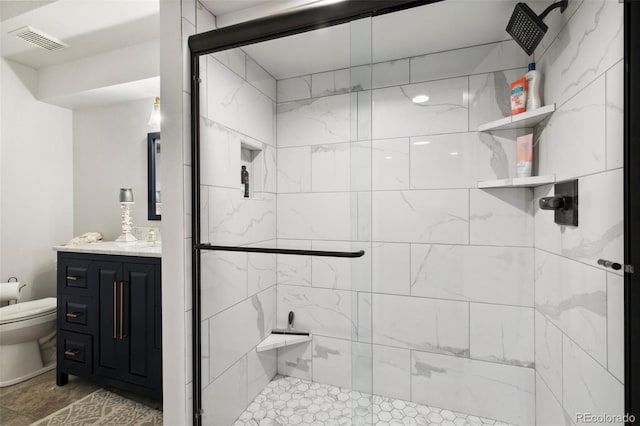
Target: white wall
(36, 182)
(109, 153)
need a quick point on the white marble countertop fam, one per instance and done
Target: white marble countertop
(137, 248)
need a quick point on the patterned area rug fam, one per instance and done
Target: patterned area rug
(103, 408)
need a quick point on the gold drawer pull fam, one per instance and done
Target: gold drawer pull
(73, 314)
(72, 352)
(72, 278)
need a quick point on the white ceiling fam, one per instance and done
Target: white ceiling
(90, 27)
(446, 25)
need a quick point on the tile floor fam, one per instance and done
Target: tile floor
(24, 403)
(290, 401)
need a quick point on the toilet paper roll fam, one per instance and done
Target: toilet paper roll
(10, 291)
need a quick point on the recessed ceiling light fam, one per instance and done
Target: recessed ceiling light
(420, 99)
(453, 153)
(422, 143)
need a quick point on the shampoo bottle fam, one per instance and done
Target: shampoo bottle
(244, 180)
(533, 87)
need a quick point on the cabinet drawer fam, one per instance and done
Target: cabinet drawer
(76, 314)
(74, 352)
(74, 276)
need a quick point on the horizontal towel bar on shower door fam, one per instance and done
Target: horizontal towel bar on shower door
(282, 251)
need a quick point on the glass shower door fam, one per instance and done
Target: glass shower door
(285, 227)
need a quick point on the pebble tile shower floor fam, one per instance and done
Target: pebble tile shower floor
(290, 401)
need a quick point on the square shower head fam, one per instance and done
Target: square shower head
(526, 28)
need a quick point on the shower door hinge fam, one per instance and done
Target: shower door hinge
(628, 269)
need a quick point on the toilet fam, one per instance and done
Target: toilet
(23, 327)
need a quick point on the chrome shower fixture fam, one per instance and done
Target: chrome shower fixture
(527, 28)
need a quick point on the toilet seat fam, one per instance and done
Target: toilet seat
(27, 310)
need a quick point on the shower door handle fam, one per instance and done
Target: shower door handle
(322, 253)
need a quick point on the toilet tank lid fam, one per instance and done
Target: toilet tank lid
(24, 310)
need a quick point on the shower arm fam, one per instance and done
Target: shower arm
(561, 4)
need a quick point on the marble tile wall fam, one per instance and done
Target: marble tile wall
(579, 310)
(238, 289)
(443, 298)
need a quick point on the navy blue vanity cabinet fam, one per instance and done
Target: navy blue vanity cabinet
(121, 346)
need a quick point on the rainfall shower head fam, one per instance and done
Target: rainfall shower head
(527, 28)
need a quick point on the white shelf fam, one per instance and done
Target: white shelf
(518, 121)
(528, 182)
(280, 340)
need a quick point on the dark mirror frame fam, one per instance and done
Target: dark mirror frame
(153, 139)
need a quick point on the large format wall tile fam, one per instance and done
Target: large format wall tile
(460, 160)
(226, 397)
(440, 326)
(220, 155)
(294, 89)
(296, 361)
(490, 96)
(341, 273)
(261, 368)
(321, 216)
(390, 73)
(392, 372)
(549, 354)
(231, 338)
(501, 217)
(572, 143)
(391, 268)
(234, 220)
(615, 325)
(314, 121)
(330, 167)
(600, 229)
(573, 296)
(390, 164)
(324, 312)
(223, 281)
(446, 111)
(331, 83)
(482, 388)
(294, 269)
(430, 216)
(587, 46)
(587, 386)
(261, 269)
(502, 334)
(549, 409)
(501, 275)
(294, 169)
(472, 60)
(332, 361)
(235, 103)
(261, 79)
(615, 116)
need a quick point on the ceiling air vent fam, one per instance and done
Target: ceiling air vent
(38, 38)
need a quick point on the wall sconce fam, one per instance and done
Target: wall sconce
(155, 117)
(126, 201)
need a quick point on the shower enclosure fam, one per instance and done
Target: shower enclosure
(382, 211)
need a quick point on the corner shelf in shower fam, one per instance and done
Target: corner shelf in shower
(519, 121)
(527, 182)
(280, 340)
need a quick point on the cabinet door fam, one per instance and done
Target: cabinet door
(139, 324)
(109, 279)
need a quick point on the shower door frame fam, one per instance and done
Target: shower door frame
(283, 25)
(632, 207)
(238, 35)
